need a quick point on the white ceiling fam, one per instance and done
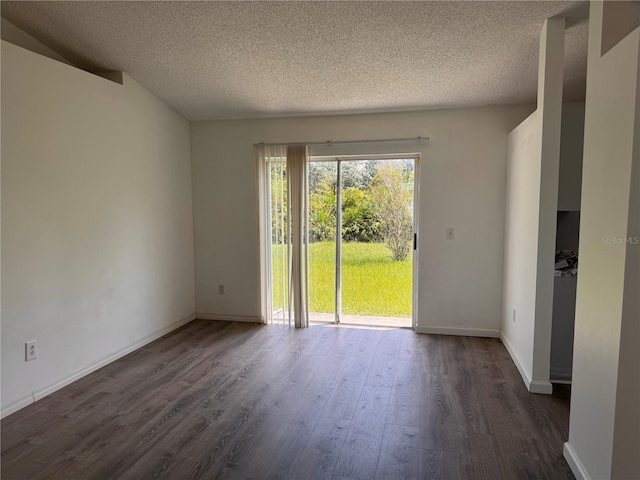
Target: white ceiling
(220, 60)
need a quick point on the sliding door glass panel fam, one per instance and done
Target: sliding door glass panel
(322, 240)
(377, 241)
(277, 184)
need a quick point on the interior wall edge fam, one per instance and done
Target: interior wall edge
(15, 35)
(20, 38)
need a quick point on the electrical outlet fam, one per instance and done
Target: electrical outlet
(514, 315)
(450, 233)
(221, 289)
(31, 350)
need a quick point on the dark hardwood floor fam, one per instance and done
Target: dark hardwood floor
(241, 401)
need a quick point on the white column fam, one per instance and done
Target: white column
(550, 76)
(604, 434)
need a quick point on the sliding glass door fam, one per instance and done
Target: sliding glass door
(377, 242)
(361, 222)
(278, 232)
(323, 202)
(361, 226)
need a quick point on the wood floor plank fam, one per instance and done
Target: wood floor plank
(365, 344)
(406, 400)
(277, 458)
(435, 464)
(360, 453)
(320, 455)
(237, 463)
(382, 371)
(243, 401)
(344, 399)
(309, 405)
(481, 467)
(330, 374)
(400, 454)
(410, 348)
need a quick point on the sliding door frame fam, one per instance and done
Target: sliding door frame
(416, 196)
(264, 230)
(338, 285)
(416, 240)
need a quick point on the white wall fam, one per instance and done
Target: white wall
(522, 229)
(530, 231)
(605, 368)
(97, 230)
(626, 440)
(550, 84)
(521, 242)
(462, 176)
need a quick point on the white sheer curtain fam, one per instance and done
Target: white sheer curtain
(283, 184)
(297, 182)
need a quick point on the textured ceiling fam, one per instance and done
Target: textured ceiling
(217, 60)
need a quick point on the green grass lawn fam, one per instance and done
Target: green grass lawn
(372, 283)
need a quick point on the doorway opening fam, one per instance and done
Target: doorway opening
(362, 234)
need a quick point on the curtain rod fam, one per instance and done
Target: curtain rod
(330, 142)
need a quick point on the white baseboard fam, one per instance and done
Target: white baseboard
(574, 462)
(17, 405)
(92, 367)
(228, 318)
(534, 386)
(465, 332)
(541, 386)
(526, 376)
